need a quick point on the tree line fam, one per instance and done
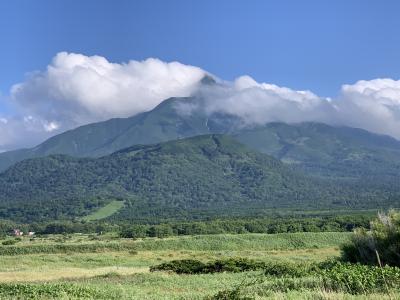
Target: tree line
(273, 224)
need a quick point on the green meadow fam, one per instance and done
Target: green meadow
(107, 267)
(106, 211)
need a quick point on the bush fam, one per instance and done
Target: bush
(134, 232)
(9, 242)
(234, 294)
(286, 269)
(380, 245)
(185, 266)
(191, 266)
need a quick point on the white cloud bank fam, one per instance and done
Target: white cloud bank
(80, 89)
(76, 89)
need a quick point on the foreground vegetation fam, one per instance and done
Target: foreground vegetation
(378, 246)
(285, 265)
(290, 265)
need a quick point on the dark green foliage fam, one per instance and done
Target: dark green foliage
(185, 266)
(380, 245)
(334, 275)
(272, 224)
(286, 269)
(9, 242)
(195, 178)
(360, 279)
(236, 293)
(191, 266)
(329, 276)
(341, 277)
(133, 231)
(51, 291)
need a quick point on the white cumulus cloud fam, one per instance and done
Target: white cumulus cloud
(259, 103)
(76, 89)
(373, 105)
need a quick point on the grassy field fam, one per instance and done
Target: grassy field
(105, 267)
(106, 211)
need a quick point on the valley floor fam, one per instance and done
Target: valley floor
(105, 267)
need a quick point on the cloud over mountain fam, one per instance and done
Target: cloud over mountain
(80, 89)
(76, 89)
(373, 105)
(259, 103)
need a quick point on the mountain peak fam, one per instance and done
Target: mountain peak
(208, 80)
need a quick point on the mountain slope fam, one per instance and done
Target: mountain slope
(161, 124)
(318, 149)
(326, 150)
(185, 179)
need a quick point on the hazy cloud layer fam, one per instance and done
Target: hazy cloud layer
(76, 89)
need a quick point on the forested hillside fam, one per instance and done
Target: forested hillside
(200, 177)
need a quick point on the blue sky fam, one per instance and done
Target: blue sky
(316, 45)
(311, 45)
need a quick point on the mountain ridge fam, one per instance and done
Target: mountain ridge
(319, 149)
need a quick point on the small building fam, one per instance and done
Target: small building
(31, 233)
(17, 232)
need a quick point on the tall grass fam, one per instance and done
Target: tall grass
(222, 242)
(54, 291)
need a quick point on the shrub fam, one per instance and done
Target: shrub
(234, 294)
(9, 242)
(134, 232)
(185, 266)
(380, 245)
(191, 266)
(286, 269)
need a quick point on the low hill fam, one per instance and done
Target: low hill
(199, 177)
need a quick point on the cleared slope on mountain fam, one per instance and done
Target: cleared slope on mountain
(186, 179)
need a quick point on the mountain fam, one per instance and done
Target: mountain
(163, 123)
(324, 150)
(318, 149)
(203, 176)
